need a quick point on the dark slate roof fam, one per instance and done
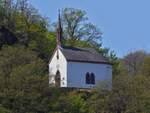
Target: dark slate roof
(83, 55)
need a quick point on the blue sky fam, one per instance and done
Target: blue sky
(125, 23)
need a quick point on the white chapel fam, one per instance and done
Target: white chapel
(75, 67)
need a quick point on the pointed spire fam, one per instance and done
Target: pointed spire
(59, 30)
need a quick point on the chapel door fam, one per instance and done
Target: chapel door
(57, 79)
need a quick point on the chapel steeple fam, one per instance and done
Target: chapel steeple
(59, 30)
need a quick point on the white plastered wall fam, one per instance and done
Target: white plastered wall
(58, 64)
(77, 71)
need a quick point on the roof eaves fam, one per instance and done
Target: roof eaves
(94, 62)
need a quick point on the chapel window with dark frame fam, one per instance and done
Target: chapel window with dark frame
(87, 78)
(57, 78)
(92, 78)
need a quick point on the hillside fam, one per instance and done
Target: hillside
(26, 45)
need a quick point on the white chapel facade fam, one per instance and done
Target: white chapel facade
(75, 67)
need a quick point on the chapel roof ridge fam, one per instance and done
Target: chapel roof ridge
(83, 54)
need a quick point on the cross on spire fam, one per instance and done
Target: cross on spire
(59, 30)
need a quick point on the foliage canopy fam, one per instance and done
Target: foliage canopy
(26, 44)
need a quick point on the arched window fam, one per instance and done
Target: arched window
(87, 78)
(92, 78)
(57, 79)
(57, 73)
(57, 55)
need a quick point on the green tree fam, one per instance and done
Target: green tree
(72, 102)
(77, 29)
(117, 68)
(146, 66)
(24, 79)
(129, 94)
(22, 24)
(133, 61)
(4, 110)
